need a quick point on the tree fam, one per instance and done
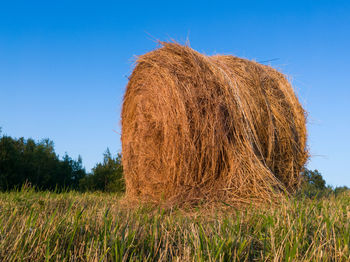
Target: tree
(314, 178)
(24, 161)
(313, 184)
(106, 176)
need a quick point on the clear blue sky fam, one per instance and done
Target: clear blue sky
(64, 64)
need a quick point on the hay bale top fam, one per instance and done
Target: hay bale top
(200, 127)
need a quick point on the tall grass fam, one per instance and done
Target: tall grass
(46, 226)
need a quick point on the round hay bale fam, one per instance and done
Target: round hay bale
(200, 127)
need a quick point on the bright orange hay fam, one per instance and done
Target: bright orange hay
(198, 127)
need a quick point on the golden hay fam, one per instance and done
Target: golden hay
(198, 127)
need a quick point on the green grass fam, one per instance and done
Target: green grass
(44, 226)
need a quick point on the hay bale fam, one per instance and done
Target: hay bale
(209, 127)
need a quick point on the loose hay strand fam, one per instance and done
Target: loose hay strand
(198, 127)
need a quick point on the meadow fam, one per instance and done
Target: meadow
(72, 226)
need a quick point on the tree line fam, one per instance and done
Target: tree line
(26, 161)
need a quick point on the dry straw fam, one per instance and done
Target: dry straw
(198, 127)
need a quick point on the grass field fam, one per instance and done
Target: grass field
(44, 226)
